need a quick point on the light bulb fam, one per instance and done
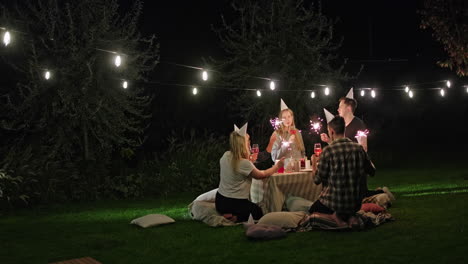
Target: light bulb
(406, 89)
(312, 94)
(327, 91)
(410, 94)
(6, 38)
(194, 90)
(373, 94)
(117, 61)
(125, 84)
(205, 75)
(47, 75)
(272, 85)
(363, 92)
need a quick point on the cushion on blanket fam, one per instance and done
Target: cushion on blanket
(206, 212)
(152, 220)
(208, 196)
(282, 219)
(262, 231)
(295, 204)
(381, 199)
(372, 207)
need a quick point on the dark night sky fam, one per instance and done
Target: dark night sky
(391, 28)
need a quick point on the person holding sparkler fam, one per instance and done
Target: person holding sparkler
(286, 140)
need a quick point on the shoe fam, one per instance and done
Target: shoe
(390, 194)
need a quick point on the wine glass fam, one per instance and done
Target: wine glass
(255, 148)
(317, 149)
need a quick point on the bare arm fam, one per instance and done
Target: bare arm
(261, 174)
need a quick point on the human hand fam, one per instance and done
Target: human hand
(280, 163)
(315, 161)
(253, 157)
(324, 137)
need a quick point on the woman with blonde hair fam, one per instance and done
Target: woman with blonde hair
(286, 141)
(237, 171)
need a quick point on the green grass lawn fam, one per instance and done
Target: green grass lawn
(431, 215)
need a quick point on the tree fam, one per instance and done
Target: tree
(81, 115)
(448, 20)
(284, 40)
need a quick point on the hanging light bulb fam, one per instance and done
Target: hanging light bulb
(125, 84)
(327, 91)
(466, 89)
(117, 61)
(205, 75)
(406, 89)
(194, 90)
(6, 38)
(410, 94)
(47, 75)
(372, 93)
(363, 92)
(272, 85)
(442, 92)
(259, 93)
(312, 94)
(448, 84)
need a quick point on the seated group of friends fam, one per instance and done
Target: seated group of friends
(342, 168)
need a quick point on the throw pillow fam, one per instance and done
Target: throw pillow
(208, 196)
(282, 219)
(152, 220)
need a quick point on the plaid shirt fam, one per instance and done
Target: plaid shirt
(343, 167)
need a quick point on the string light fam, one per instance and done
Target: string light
(6, 38)
(410, 94)
(259, 93)
(448, 84)
(442, 92)
(117, 61)
(327, 91)
(466, 89)
(373, 93)
(125, 84)
(194, 90)
(47, 75)
(363, 92)
(406, 89)
(272, 85)
(312, 94)
(205, 75)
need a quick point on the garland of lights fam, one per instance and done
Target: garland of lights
(272, 83)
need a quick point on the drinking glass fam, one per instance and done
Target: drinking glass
(317, 149)
(255, 148)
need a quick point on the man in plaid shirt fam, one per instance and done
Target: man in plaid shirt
(343, 168)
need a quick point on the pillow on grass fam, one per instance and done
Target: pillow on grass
(282, 219)
(372, 207)
(206, 212)
(294, 204)
(208, 196)
(152, 220)
(260, 231)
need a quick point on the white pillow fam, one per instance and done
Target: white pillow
(152, 220)
(282, 219)
(208, 196)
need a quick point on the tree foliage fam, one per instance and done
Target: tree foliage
(448, 20)
(81, 115)
(284, 40)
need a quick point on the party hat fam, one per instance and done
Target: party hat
(329, 116)
(241, 131)
(283, 105)
(350, 94)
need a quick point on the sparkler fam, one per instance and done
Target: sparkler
(275, 123)
(315, 126)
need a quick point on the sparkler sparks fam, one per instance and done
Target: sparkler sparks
(275, 123)
(361, 133)
(315, 126)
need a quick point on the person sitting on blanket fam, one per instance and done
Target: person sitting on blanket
(237, 171)
(343, 168)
